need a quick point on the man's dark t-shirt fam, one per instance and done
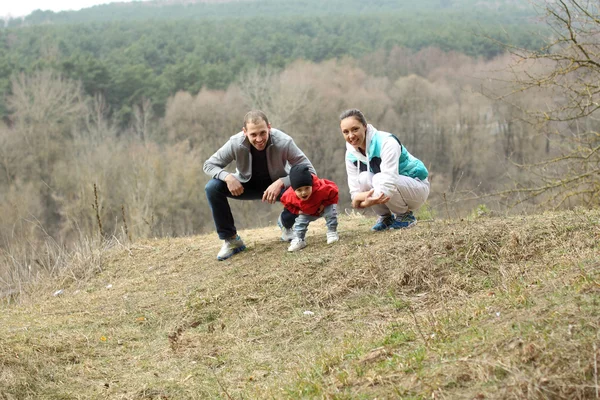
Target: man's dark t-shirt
(260, 169)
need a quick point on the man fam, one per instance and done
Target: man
(263, 159)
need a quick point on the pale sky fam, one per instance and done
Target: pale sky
(20, 8)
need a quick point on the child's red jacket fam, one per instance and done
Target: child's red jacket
(324, 192)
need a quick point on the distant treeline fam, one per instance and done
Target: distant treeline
(128, 61)
(202, 9)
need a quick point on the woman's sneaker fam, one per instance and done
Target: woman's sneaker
(332, 237)
(404, 221)
(383, 223)
(286, 234)
(230, 247)
(297, 244)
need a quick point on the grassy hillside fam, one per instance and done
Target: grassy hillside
(485, 308)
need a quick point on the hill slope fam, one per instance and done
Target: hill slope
(491, 308)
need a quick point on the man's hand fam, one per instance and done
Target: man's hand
(234, 186)
(270, 195)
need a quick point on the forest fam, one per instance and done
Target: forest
(106, 121)
(146, 52)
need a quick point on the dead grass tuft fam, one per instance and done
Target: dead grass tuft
(29, 268)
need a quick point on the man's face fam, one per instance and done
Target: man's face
(257, 134)
(354, 132)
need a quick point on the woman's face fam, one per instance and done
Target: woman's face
(354, 132)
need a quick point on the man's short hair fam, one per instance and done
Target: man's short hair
(254, 117)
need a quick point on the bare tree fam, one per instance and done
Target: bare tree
(284, 95)
(8, 155)
(45, 109)
(143, 115)
(568, 81)
(97, 123)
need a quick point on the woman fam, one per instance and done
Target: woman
(382, 174)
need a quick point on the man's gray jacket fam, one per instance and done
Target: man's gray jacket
(282, 154)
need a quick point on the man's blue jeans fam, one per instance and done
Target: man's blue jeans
(217, 194)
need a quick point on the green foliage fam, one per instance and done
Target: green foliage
(151, 52)
(157, 9)
(426, 212)
(480, 211)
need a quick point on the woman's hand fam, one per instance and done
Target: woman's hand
(359, 198)
(366, 199)
(373, 200)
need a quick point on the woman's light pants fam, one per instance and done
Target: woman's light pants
(406, 194)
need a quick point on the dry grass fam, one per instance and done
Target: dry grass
(486, 308)
(30, 265)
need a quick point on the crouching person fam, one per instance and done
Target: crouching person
(310, 198)
(263, 157)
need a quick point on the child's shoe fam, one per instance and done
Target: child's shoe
(230, 247)
(297, 244)
(332, 237)
(286, 234)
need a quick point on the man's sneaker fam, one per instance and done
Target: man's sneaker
(383, 222)
(230, 247)
(297, 244)
(286, 234)
(404, 221)
(332, 237)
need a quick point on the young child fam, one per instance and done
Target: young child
(310, 198)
